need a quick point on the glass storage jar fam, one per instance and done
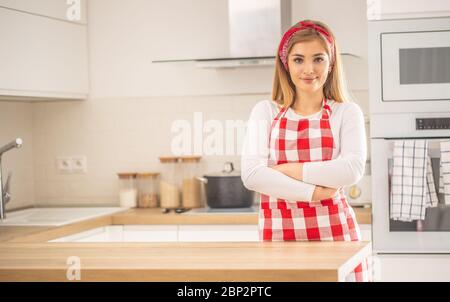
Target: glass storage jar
(170, 183)
(127, 190)
(191, 186)
(147, 190)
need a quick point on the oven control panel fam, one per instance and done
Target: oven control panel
(433, 123)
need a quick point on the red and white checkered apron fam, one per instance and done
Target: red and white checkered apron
(307, 140)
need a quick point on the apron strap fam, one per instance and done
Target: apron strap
(327, 112)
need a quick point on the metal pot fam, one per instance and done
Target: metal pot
(226, 190)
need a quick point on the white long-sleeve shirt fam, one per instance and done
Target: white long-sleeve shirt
(346, 167)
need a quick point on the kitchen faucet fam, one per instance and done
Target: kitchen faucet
(4, 191)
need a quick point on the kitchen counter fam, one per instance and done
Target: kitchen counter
(244, 261)
(13, 232)
(25, 254)
(154, 216)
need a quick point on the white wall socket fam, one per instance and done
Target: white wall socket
(64, 164)
(71, 164)
(79, 164)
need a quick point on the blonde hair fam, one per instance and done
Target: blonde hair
(335, 87)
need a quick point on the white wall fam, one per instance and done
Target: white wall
(126, 36)
(125, 123)
(348, 21)
(16, 120)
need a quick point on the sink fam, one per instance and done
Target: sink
(55, 216)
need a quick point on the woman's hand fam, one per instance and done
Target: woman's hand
(321, 193)
(293, 170)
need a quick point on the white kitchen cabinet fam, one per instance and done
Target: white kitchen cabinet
(42, 57)
(72, 10)
(166, 233)
(411, 268)
(208, 233)
(406, 9)
(177, 233)
(150, 233)
(125, 233)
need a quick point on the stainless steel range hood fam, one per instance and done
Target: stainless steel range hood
(255, 28)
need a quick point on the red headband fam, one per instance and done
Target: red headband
(282, 48)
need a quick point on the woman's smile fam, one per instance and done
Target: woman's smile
(309, 80)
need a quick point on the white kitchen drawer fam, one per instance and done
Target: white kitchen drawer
(150, 233)
(42, 57)
(411, 268)
(104, 234)
(208, 233)
(125, 233)
(50, 8)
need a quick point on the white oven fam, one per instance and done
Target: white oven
(409, 63)
(431, 234)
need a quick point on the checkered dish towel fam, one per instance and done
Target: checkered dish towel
(412, 185)
(444, 174)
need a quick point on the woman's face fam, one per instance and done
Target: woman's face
(308, 64)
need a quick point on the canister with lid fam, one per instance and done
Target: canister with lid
(170, 183)
(191, 186)
(127, 190)
(148, 189)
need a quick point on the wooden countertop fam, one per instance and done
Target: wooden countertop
(25, 254)
(243, 261)
(13, 232)
(154, 216)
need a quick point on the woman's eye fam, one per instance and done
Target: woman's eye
(298, 60)
(318, 60)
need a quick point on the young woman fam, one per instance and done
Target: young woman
(305, 145)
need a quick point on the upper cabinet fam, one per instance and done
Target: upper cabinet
(407, 9)
(43, 56)
(68, 10)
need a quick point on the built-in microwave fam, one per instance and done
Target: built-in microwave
(409, 65)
